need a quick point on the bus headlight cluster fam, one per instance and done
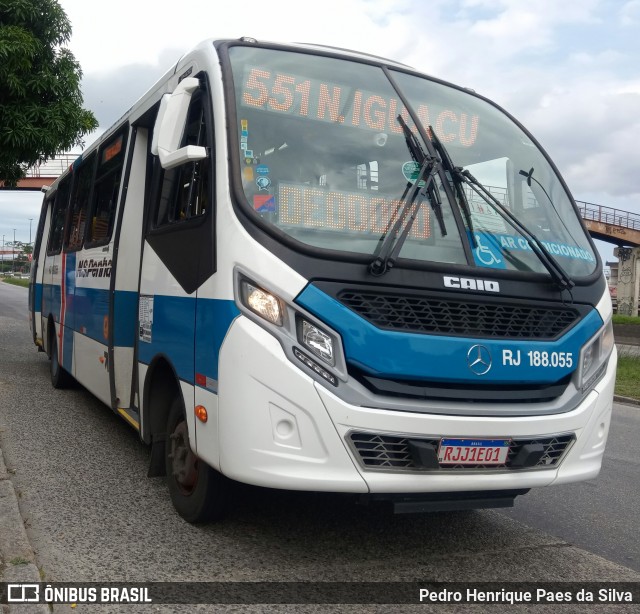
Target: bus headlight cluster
(305, 340)
(594, 356)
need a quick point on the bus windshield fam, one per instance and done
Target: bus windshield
(324, 159)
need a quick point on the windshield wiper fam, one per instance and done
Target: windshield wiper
(559, 275)
(419, 156)
(454, 172)
(389, 247)
(391, 242)
(459, 176)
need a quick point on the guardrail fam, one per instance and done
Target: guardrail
(54, 167)
(608, 215)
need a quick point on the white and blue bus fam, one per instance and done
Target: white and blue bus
(306, 268)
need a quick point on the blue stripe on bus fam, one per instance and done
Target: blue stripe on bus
(413, 356)
(86, 310)
(37, 297)
(51, 298)
(125, 307)
(213, 319)
(173, 334)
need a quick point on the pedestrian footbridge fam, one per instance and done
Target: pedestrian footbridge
(621, 228)
(611, 225)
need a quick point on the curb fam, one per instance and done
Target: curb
(17, 559)
(627, 400)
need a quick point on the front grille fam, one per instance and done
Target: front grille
(390, 452)
(446, 316)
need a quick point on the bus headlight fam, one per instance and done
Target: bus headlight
(316, 340)
(263, 303)
(310, 344)
(594, 356)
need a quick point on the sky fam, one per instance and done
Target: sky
(569, 70)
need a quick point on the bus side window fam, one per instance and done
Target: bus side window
(79, 204)
(58, 218)
(106, 189)
(185, 189)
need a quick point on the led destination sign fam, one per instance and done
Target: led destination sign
(339, 104)
(307, 207)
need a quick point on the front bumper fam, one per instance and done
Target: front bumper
(278, 428)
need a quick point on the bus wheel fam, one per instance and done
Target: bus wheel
(59, 377)
(197, 491)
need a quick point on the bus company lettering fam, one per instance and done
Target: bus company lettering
(329, 102)
(94, 268)
(470, 283)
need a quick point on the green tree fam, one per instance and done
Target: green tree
(41, 110)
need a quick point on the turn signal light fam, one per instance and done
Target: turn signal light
(201, 413)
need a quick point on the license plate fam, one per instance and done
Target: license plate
(473, 451)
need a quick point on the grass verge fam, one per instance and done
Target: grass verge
(17, 281)
(618, 319)
(628, 378)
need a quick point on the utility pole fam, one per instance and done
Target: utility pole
(13, 253)
(2, 254)
(30, 220)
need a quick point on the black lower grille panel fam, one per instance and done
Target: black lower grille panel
(378, 451)
(467, 393)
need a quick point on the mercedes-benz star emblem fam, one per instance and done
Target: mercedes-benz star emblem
(479, 359)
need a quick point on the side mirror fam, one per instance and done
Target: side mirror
(170, 125)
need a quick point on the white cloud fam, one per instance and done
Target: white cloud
(630, 13)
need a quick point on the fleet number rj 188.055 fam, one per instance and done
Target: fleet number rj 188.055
(562, 360)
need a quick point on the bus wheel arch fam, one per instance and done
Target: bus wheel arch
(198, 492)
(161, 386)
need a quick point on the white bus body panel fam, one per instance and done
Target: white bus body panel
(127, 271)
(90, 366)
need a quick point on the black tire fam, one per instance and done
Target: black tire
(198, 492)
(59, 377)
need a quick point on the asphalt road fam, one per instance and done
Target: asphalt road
(600, 515)
(93, 515)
